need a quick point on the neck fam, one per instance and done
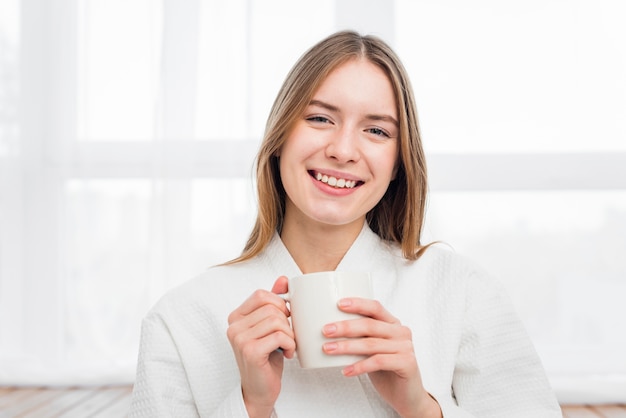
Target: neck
(319, 247)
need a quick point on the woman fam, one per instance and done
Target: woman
(342, 185)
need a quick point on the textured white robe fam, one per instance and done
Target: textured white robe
(473, 352)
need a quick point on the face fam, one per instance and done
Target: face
(340, 157)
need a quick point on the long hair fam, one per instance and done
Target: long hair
(398, 217)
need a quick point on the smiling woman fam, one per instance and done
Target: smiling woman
(125, 162)
(351, 117)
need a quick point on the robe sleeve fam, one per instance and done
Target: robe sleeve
(498, 372)
(162, 388)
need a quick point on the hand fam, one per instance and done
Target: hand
(256, 331)
(390, 362)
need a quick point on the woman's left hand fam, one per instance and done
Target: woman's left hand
(390, 362)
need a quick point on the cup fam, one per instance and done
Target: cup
(313, 302)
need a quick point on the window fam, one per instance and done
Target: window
(130, 160)
(521, 109)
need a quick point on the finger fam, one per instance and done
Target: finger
(255, 301)
(366, 327)
(258, 349)
(369, 347)
(280, 285)
(264, 320)
(267, 335)
(367, 307)
(404, 366)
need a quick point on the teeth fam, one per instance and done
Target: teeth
(335, 182)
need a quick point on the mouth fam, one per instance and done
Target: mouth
(337, 183)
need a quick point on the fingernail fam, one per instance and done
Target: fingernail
(345, 302)
(330, 346)
(347, 371)
(330, 329)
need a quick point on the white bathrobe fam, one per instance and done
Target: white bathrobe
(473, 352)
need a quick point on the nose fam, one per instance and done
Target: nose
(344, 146)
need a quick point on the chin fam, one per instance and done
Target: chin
(338, 220)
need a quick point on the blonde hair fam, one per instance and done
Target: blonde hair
(398, 217)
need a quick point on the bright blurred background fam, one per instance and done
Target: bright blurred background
(128, 130)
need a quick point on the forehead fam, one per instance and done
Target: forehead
(359, 81)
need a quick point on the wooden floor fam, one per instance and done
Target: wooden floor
(604, 411)
(103, 402)
(113, 402)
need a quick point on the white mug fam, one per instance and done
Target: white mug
(313, 302)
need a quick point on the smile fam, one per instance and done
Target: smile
(335, 182)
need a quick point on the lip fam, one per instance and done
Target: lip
(334, 191)
(336, 174)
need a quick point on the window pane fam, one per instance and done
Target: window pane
(281, 32)
(11, 303)
(223, 95)
(533, 76)
(9, 78)
(108, 236)
(125, 242)
(245, 51)
(560, 254)
(118, 68)
(222, 216)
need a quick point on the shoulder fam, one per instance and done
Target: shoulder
(441, 262)
(213, 293)
(445, 275)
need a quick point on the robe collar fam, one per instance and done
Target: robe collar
(359, 257)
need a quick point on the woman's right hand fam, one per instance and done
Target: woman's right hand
(257, 330)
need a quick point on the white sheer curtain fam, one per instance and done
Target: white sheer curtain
(522, 108)
(128, 130)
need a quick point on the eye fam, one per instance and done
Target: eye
(318, 119)
(378, 132)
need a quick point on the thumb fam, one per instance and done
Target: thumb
(280, 285)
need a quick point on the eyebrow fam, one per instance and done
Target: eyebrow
(324, 105)
(329, 107)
